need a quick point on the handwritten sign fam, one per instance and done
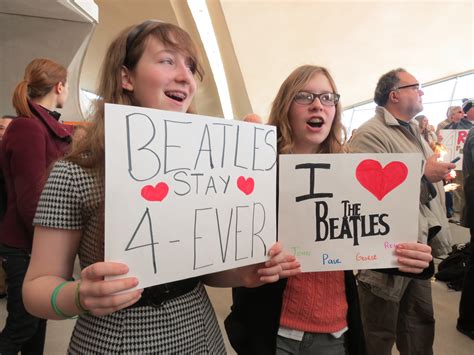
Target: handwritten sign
(186, 195)
(453, 140)
(348, 211)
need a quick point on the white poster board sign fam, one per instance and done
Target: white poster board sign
(186, 195)
(348, 211)
(453, 140)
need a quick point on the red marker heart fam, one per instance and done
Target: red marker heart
(380, 181)
(245, 185)
(157, 193)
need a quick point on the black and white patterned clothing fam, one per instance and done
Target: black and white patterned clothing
(71, 199)
(187, 324)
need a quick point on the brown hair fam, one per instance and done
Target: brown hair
(281, 106)
(40, 77)
(88, 150)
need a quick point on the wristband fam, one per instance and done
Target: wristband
(77, 300)
(55, 307)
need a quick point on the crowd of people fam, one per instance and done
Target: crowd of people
(54, 180)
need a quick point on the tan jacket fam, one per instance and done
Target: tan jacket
(383, 134)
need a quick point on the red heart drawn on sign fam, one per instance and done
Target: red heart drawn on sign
(245, 185)
(157, 193)
(380, 181)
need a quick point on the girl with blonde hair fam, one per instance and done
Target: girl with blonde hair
(314, 312)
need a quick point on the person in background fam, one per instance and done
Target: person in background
(352, 134)
(454, 114)
(464, 124)
(31, 143)
(313, 313)
(448, 184)
(468, 120)
(465, 322)
(399, 308)
(4, 122)
(153, 64)
(426, 130)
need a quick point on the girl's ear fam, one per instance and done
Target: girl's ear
(127, 82)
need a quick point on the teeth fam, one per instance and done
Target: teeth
(315, 122)
(177, 95)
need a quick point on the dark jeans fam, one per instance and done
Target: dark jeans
(466, 305)
(22, 331)
(449, 204)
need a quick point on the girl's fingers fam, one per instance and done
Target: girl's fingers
(415, 247)
(99, 270)
(414, 255)
(408, 262)
(106, 288)
(411, 270)
(411, 265)
(268, 271)
(275, 249)
(102, 311)
(114, 302)
(278, 256)
(269, 279)
(290, 269)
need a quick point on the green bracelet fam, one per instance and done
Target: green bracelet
(77, 300)
(55, 307)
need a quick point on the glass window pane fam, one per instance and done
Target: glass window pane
(360, 116)
(87, 99)
(438, 92)
(369, 106)
(346, 118)
(435, 112)
(464, 87)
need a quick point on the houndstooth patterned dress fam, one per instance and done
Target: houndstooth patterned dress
(183, 325)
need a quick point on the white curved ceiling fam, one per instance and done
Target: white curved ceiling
(357, 40)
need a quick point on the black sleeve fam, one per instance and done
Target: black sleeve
(252, 325)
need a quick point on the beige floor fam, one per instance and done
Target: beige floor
(447, 340)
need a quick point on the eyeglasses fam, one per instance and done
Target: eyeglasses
(326, 98)
(416, 86)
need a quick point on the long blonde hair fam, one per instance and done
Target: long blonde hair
(40, 77)
(295, 82)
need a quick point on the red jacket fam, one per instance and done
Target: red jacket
(28, 148)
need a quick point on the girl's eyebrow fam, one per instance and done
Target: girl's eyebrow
(322, 91)
(166, 50)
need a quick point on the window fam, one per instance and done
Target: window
(87, 99)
